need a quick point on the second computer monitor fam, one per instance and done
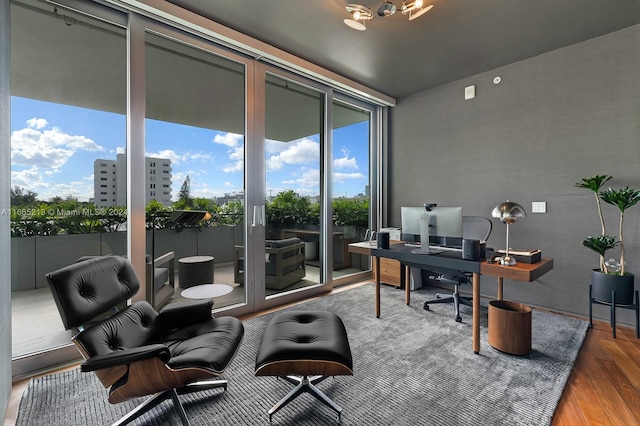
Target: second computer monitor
(445, 225)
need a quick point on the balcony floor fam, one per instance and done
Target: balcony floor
(36, 324)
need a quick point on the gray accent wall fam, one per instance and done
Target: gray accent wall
(552, 120)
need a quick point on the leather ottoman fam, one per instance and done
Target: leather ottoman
(304, 348)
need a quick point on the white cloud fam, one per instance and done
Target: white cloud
(32, 179)
(175, 158)
(237, 167)
(308, 179)
(343, 177)
(196, 156)
(237, 153)
(37, 123)
(167, 154)
(235, 144)
(46, 149)
(27, 178)
(304, 151)
(345, 162)
(231, 140)
(272, 146)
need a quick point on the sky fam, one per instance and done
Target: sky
(53, 148)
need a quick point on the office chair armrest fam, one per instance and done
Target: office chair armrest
(125, 357)
(178, 315)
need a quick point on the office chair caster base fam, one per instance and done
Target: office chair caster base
(458, 318)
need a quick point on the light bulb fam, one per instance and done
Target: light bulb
(418, 3)
(356, 15)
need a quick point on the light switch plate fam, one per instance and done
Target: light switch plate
(539, 207)
(469, 92)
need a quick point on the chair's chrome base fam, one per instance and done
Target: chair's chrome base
(160, 397)
(305, 384)
(455, 298)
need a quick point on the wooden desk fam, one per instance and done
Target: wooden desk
(528, 272)
(452, 260)
(391, 271)
(363, 247)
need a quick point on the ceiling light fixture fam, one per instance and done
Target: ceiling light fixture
(360, 14)
(387, 9)
(415, 8)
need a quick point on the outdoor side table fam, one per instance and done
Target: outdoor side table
(195, 270)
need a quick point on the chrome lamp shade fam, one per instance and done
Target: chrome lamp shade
(508, 213)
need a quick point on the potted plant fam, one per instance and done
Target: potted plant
(611, 275)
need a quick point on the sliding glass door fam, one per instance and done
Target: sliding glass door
(292, 158)
(271, 166)
(68, 115)
(194, 148)
(353, 130)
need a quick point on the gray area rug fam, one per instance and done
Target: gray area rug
(411, 367)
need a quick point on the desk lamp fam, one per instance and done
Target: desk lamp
(508, 213)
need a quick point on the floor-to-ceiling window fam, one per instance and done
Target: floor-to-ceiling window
(223, 133)
(194, 146)
(352, 135)
(68, 122)
(292, 155)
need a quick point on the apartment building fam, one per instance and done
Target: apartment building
(110, 181)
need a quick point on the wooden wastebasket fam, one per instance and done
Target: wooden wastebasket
(510, 327)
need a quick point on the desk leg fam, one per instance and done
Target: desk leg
(500, 288)
(407, 284)
(376, 262)
(476, 313)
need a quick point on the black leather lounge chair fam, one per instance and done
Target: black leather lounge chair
(138, 351)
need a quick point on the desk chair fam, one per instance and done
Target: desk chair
(473, 228)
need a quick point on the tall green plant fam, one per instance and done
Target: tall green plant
(604, 243)
(623, 199)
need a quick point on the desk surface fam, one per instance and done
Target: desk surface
(363, 247)
(520, 272)
(452, 260)
(447, 259)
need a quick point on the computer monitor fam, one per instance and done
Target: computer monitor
(411, 217)
(445, 225)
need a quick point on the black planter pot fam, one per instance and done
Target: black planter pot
(604, 284)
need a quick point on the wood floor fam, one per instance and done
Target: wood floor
(603, 389)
